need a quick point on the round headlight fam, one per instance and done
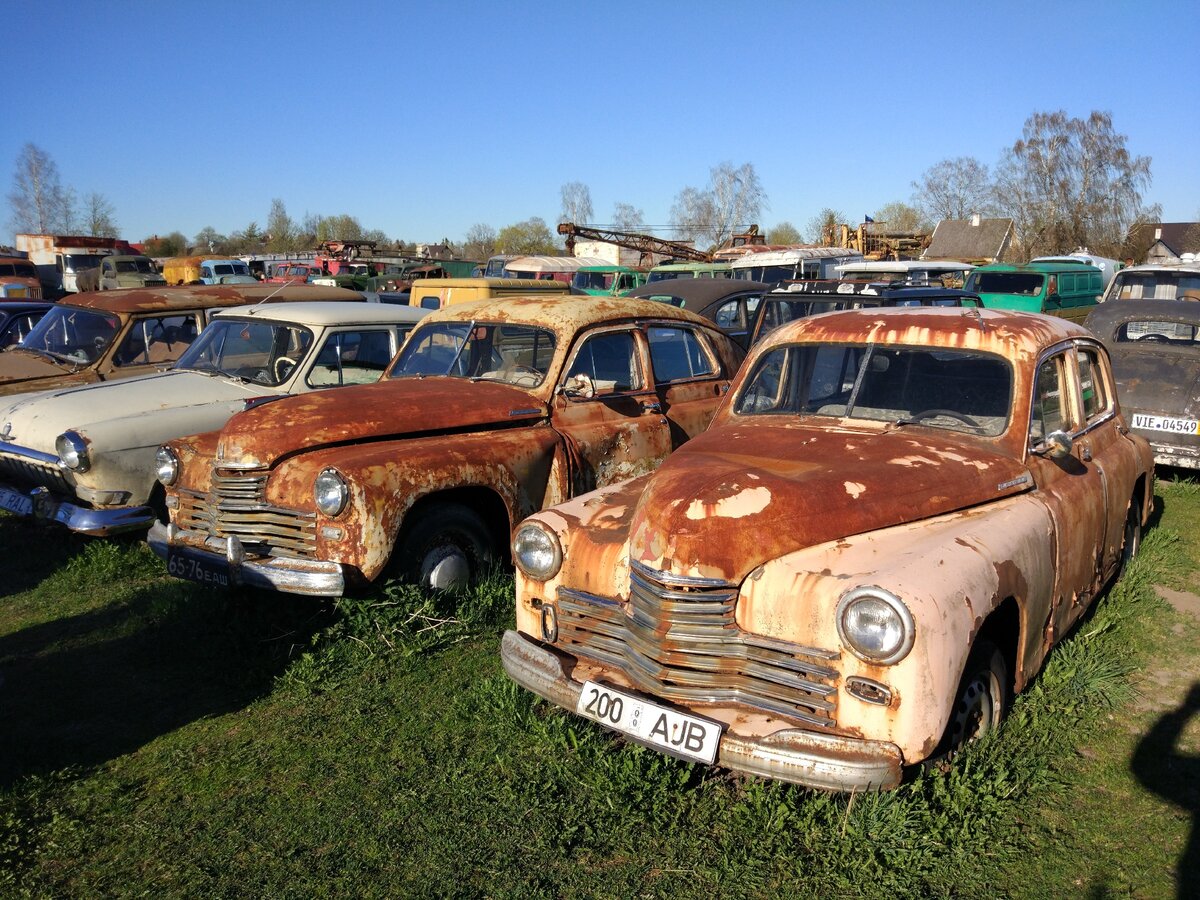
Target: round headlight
(330, 492)
(166, 466)
(875, 624)
(72, 451)
(536, 551)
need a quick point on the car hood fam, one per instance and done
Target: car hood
(401, 407)
(740, 495)
(1165, 383)
(25, 365)
(35, 420)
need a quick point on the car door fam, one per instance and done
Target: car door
(607, 411)
(687, 378)
(1073, 487)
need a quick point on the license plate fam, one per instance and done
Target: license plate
(16, 503)
(198, 568)
(679, 734)
(1165, 423)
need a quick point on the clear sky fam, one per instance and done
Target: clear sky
(424, 119)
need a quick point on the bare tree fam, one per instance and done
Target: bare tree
(734, 198)
(576, 203)
(955, 189)
(480, 242)
(902, 217)
(39, 203)
(822, 228)
(784, 233)
(281, 230)
(627, 217)
(1069, 183)
(99, 215)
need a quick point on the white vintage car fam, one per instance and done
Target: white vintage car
(84, 456)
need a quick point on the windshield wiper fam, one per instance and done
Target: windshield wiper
(462, 347)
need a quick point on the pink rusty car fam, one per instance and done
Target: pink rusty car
(893, 518)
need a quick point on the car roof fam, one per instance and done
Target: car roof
(697, 293)
(565, 313)
(134, 300)
(1005, 332)
(1041, 268)
(322, 312)
(1114, 312)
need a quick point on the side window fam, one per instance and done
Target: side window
(431, 302)
(677, 354)
(152, 341)
(351, 357)
(1091, 382)
(728, 315)
(609, 361)
(1051, 411)
(206, 272)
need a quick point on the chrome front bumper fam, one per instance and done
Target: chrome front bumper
(816, 760)
(292, 576)
(41, 505)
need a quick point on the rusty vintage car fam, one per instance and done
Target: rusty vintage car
(118, 334)
(491, 411)
(892, 519)
(1155, 347)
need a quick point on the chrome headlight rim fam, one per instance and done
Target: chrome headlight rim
(330, 483)
(896, 605)
(72, 451)
(166, 466)
(536, 537)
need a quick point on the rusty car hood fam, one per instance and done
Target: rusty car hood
(740, 495)
(19, 364)
(401, 407)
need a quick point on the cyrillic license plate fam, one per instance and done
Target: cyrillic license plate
(1165, 423)
(15, 502)
(680, 734)
(198, 568)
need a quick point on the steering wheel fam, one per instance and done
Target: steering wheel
(934, 413)
(279, 370)
(1155, 338)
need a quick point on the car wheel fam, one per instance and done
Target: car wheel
(447, 546)
(981, 700)
(1133, 535)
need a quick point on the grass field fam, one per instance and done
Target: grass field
(158, 738)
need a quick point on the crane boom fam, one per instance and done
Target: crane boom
(645, 244)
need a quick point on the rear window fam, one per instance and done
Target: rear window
(1149, 332)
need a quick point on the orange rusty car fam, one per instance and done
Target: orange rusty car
(892, 519)
(491, 411)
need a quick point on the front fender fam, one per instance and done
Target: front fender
(387, 478)
(951, 572)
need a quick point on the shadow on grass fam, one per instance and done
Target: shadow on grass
(30, 553)
(1175, 776)
(85, 689)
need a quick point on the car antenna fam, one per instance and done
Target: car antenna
(273, 293)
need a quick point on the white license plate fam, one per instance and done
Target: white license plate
(1165, 423)
(680, 734)
(17, 503)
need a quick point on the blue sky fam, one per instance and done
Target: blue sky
(424, 119)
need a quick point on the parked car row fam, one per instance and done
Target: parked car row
(825, 564)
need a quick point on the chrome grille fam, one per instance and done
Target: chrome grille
(235, 506)
(21, 471)
(682, 643)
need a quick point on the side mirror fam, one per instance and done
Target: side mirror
(1053, 300)
(1059, 445)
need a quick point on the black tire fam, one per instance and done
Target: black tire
(445, 546)
(1132, 540)
(981, 700)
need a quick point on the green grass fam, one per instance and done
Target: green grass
(160, 738)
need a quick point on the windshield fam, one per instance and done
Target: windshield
(1156, 286)
(264, 352)
(73, 335)
(135, 265)
(81, 261)
(516, 354)
(20, 270)
(593, 281)
(1023, 284)
(949, 389)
